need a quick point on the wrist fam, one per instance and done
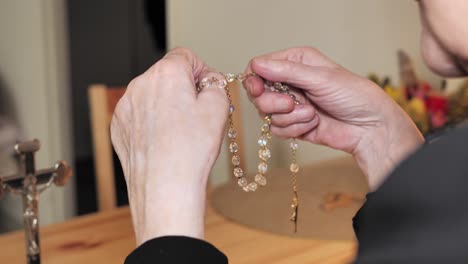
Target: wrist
(168, 200)
(169, 210)
(384, 147)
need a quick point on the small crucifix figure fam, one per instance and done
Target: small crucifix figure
(295, 208)
(29, 183)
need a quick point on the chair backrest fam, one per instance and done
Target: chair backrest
(102, 102)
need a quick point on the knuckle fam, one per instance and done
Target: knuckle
(300, 53)
(182, 50)
(137, 85)
(135, 82)
(122, 105)
(168, 66)
(182, 58)
(309, 49)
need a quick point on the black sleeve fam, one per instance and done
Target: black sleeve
(420, 214)
(176, 249)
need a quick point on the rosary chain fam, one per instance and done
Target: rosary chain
(294, 168)
(264, 140)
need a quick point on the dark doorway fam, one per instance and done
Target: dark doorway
(111, 42)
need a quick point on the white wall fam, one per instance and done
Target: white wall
(34, 70)
(362, 35)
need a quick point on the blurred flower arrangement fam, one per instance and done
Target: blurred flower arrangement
(431, 109)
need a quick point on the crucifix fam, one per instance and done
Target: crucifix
(29, 183)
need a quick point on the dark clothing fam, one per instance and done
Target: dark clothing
(419, 215)
(177, 250)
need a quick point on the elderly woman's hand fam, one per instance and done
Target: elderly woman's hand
(338, 109)
(167, 138)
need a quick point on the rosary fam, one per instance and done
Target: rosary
(264, 152)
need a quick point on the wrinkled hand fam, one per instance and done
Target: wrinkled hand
(338, 109)
(167, 138)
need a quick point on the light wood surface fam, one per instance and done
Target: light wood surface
(269, 208)
(107, 237)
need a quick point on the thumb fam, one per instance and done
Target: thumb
(293, 73)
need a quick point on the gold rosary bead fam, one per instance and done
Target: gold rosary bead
(262, 167)
(263, 141)
(242, 182)
(260, 179)
(222, 83)
(238, 172)
(230, 77)
(294, 167)
(233, 147)
(252, 186)
(235, 160)
(264, 154)
(204, 83)
(293, 145)
(278, 86)
(232, 133)
(241, 77)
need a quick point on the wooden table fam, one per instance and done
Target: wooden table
(108, 238)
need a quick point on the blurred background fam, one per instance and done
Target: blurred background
(51, 51)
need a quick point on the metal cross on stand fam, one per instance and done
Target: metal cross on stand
(30, 183)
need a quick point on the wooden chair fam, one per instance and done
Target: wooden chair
(102, 102)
